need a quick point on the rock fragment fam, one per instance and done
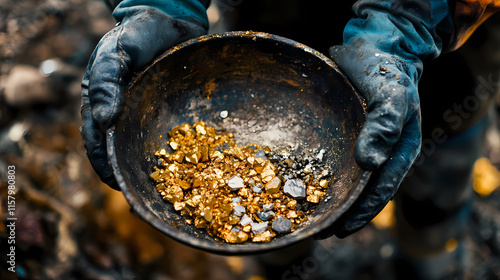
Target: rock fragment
(257, 188)
(268, 207)
(282, 225)
(26, 86)
(258, 228)
(273, 186)
(295, 188)
(245, 220)
(235, 183)
(239, 210)
(260, 154)
(320, 155)
(265, 216)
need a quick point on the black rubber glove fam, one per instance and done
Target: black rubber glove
(142, 33)
(381, 56)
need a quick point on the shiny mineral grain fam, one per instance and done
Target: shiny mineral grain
(282, 225)
(235, 183)
(238, 194)
(295, 188)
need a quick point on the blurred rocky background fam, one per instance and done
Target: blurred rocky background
(71, 226)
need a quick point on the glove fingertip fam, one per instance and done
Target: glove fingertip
(111, 182)
(353, 221)
(105, 114)
(368, 155)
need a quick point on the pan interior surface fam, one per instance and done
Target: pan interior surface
(276, 92)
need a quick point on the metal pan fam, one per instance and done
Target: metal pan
(277, 92)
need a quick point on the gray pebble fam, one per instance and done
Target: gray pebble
(236, 200)
(238, 210)
(268, 207)
(320, 155)
(235, 183)
(295, 188)
(324, 173)
(245, 220)
(258, 228)
(235, 229)
(282, 225)
(260, 154)
(257, 188)
(224, 114)
(265, 216)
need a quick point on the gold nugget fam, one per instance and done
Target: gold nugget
(232, 192)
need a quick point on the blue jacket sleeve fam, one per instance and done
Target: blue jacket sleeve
(193, 11)
(406, 28)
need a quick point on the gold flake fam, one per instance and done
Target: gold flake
(263, 237)
(313, 198)
(323, 183)
(273, 186)
(174, 145)
(194, 179)
(179, 205)
(291, 215)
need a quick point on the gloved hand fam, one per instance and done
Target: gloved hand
(381, 55)
(145, 29)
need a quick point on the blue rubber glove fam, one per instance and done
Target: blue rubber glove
(145, 29)
(381, 54)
